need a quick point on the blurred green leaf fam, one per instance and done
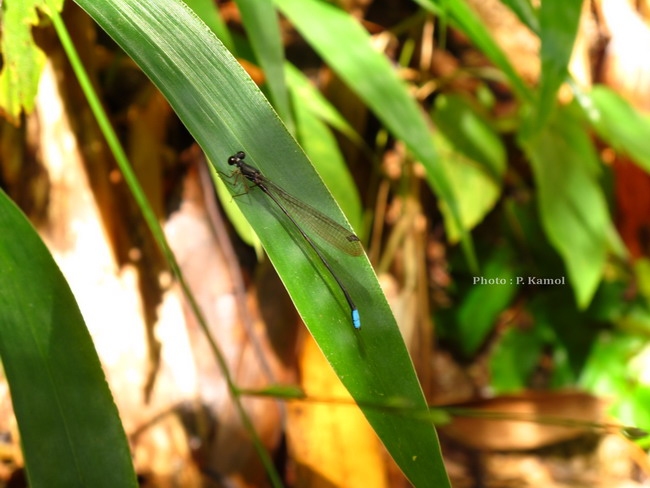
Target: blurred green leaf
(572, 205)
(515, 358)
(263, 29)
(320, 145)
(488, 297)
(477, 189)
(526, 13)
(616, 368)
(632, 409)
(70, 430)
(209, 14)
(559, 23)
(287, 392)
(618, 123)
(22, 59)
(316, 103)
(606, 369)
(475, 163)
(470, 134)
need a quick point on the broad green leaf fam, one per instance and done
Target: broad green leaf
(618, 123)
(477, 189)
(607, 369)
(559, 23)
(225, 111)
(369, 74)
(70, 430)
(470, 134)
(572, 206)
(474, 158)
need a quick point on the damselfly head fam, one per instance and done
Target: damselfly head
(236, 158)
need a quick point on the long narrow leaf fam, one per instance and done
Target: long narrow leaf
(227, 113)
(559, 23)
(260, 19)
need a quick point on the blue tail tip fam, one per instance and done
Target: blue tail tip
(356, 320)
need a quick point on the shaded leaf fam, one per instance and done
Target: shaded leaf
(58, 389)
(489, 295)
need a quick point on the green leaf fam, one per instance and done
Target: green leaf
(22, 59)
(607, 369)
(70, 430)
(470, 134)
(559, 23)
(477, 189)
(515, 358)
(572, 205)
(619, 124)
(209, 14)
(225, 112)
(475, 164)
(315, 102)
(612, 370)
(261, 22)
(525, 11)
(369, 74)
(489, 296)
(320, 145)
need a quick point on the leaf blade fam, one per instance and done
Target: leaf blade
(59, 392)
